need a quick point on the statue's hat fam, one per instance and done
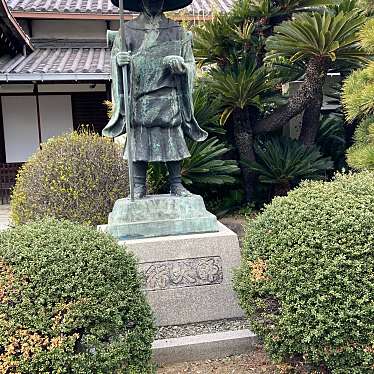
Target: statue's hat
(137, 5)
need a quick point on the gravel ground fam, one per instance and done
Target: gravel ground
(167, 332)
(255, 362)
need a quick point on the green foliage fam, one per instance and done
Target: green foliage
(222, 41)
(224, 201)
(284, 162)
(358, 93)
(367, 6)
(364, 132)
(241, 87)
(307, 275)
(367, 36)
(77, 176)
(207, 109)
(331, 138)
(206, 166)
(334, 37)
(361, 155)
(344, 6)
(70, 302)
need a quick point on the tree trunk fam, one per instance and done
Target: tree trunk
(315, 75)
(244, 143)
(311, 120)
(281, 189)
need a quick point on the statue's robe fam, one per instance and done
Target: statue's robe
(160, 102)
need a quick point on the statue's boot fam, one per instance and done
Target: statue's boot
(140, 174)
(175, 179)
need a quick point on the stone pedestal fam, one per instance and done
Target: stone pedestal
(188, 278)
(159, 215)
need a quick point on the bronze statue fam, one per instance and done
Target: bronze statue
(161, 69)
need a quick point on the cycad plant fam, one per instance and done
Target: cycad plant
(283, 162)
(205, 167)
(241, 86)
(325, 37)
(320, 40)
(331, 138)
(207, 109)
(257, 37)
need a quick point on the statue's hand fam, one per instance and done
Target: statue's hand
(175, 64)
(123, 58)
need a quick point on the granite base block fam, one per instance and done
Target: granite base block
(188, 278)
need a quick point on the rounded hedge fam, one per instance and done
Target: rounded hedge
(70, 302)
(306, 281)
(76, 176)
(361, 155)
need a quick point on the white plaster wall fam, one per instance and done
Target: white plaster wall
(20, 127)
(56, 116)
(73, 29)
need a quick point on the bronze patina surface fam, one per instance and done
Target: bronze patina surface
(161, 70)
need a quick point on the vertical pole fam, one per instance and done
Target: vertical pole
(36, 92)
(126, 103)
(2, 135)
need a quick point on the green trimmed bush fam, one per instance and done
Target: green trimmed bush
(306, 281)
(361, 155)
(76, 176)
(70, 302)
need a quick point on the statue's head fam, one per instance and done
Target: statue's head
(152, 6)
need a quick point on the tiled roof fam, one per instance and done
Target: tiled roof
(12, 38)
(198, 7)
(59, 63)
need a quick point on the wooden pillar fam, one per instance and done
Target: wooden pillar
(2, 137)
(108, 91)
(36, 93)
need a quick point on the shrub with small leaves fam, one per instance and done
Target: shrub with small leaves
(361, 155)
(70, 302)
(306, 280)
(76, 176)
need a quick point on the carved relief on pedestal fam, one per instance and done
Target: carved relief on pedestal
(189, 272)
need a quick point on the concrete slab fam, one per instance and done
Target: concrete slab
(188, 278)
(203, 347)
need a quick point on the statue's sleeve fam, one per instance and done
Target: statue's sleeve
(189, 59)
(115, 126)
(190, 125)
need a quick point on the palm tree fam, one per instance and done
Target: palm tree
(320, 40)
(248, 39)
(240, 90)
(281, 162)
